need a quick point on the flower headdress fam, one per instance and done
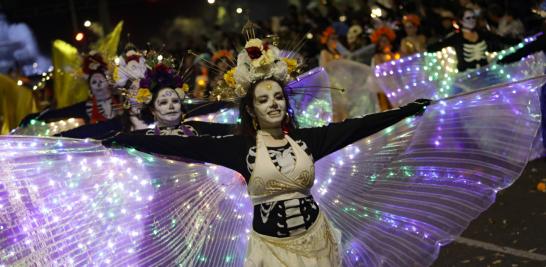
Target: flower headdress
(326, 34)
(259, 60)
(93, 63)
(157, 78)
(413, 19)
(382, 31)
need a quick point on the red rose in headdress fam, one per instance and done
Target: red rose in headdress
(253, 52)
(93, 63)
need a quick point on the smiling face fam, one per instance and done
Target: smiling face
(269, 104)
(99, 87)
(167, 109)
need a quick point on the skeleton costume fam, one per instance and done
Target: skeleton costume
(288, 227)
(471, 54)
(91, 111)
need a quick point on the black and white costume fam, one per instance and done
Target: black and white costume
(277, 218)
(471, 55)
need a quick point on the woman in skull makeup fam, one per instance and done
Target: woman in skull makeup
(274, 156)
(152, 96)
(101, 106)
(470, 43)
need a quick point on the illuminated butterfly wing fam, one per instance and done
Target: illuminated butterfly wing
(74, 202)
(435, 76)
(357, 99)
(40, 128)
(310, 100)
(401, 194)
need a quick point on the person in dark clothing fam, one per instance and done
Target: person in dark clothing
(471, 44)
(103, 104)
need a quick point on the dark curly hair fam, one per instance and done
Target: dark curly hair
(246, 127)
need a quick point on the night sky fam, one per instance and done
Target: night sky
(143, 19)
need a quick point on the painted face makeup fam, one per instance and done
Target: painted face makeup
(167, 109)
(99, 87)
(469, 20)
(269, 104)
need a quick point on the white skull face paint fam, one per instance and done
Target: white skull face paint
(269, 104)
(167, 109)
(469, 20)
(99, 87)
(353, 34)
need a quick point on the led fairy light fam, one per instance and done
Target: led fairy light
(439, 77)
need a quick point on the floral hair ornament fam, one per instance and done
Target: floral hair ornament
(413, 19)
(382, 31)
(93, 63)
(326, 34)
(260, 60)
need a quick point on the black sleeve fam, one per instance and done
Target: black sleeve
(328, 139)
(214, 129)
(226, 151)
(449, 40)
(99, 130)
(533, 47)
(75, 111)
(496, 42)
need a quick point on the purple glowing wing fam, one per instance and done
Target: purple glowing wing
(416, 76)
(40, 128)
(435, 76)
(74, 202)
(401, 194)
(310, 99)
(357, 99)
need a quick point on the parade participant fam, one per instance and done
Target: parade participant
(276, 159)
(102, 104)
(471, 44)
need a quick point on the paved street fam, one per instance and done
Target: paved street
(515, 224)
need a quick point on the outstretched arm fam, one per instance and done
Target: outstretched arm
(449, 40)
(533, 47)
(223, 151)
(328, 139)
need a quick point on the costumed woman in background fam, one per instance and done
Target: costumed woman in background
(471, 44)
(329, 42)
(154, 95)
(413, 42)
(383, 37)
(276, 159)
(101, 106)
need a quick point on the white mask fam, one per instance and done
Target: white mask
(469, 20)
(99, 87)
(167, 109)
(353, 33)
(269, 104)
(136, 69)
